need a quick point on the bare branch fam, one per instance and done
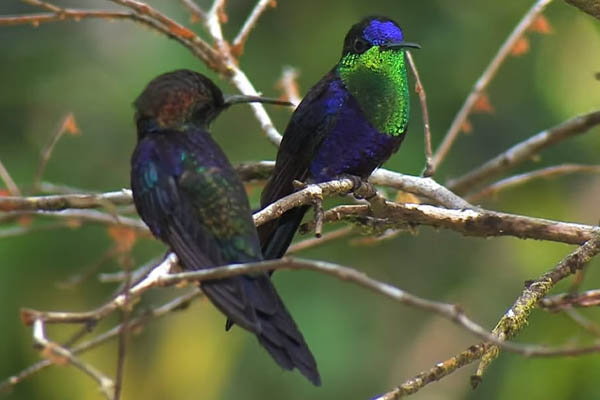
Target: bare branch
(67, 201)
(313, 242)
(173, 305)
(85, 215)
(592, 7)
(288, 83)
(425, 187)
(67, 125)
(527, 177)
(143, 14)
(59, 354)
(428, 170)
(198, 14)
(485, 79)
(237, 47)
(479, 223)
(589, 298)
(468, 220)
(524, 151)
(516, 317)
(123, 338)
(439, 371)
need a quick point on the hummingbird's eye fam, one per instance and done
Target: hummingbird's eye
(360, 45)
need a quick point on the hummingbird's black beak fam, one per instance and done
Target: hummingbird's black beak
(400, 45)
(240, 98)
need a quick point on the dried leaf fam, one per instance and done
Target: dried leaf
(181, 31)
(69, 125)
(49, 354)
(541, 25)
(483, 104)
(25, 221)
(123, 237)
(521, 47)
(466, 127)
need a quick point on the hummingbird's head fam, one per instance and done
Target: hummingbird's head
(373, 70)
(380, 32)
(175, 99)
(181, 98)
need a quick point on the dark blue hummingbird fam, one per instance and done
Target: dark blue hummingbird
(191, 198)
(348, 124)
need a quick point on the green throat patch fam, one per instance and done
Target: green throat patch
(378, 81)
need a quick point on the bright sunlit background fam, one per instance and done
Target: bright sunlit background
(364, 344)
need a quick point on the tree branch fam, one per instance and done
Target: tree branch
(515, 319)
(485, 79)
(155, 313)
(436, 373)
(428, 170)
(237, 46)
(59, 354)
(521, 179)
(524, 151)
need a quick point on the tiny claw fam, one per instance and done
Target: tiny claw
(298, 185)
(360, 187)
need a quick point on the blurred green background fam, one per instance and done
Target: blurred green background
(364, 344)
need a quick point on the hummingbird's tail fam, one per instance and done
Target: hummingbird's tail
(277, 237)
(252, 303)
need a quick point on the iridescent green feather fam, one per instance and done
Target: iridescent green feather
(224, 214)
(377, 79)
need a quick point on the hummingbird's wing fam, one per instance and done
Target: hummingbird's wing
(191, 197)
(309, 126)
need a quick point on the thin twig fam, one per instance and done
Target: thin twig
(198, 13)
(288, 83)
(237, 46)
(173, 305)
(85, 215)
(439, 371)
(521, 179)
(12, 187)
(62, 129)
(589, 298)
(485, 79)
(428, 170)
(524, 151)
(66, 201)
(199, 46)
(517, 316)
(326, 237)
(123, 337)
(59, 354)
(161, 277)
(143, 14)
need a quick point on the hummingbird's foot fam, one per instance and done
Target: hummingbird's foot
(361, 188)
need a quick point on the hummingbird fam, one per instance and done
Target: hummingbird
(191, 198)
(348, 124)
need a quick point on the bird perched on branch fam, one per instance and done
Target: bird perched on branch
(347, 125)
(191, 198)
